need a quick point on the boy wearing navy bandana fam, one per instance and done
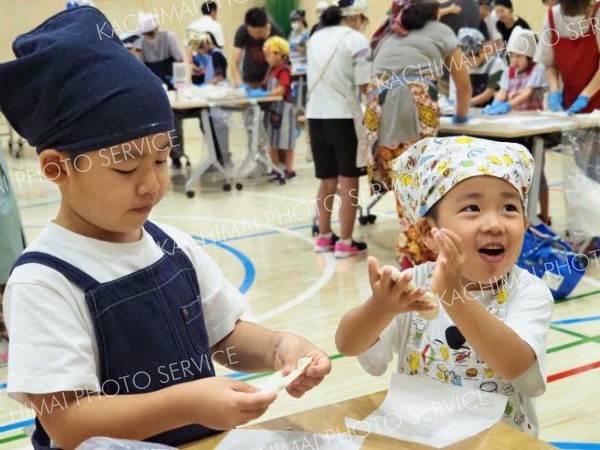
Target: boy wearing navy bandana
(114, 320)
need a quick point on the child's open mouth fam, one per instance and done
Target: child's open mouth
(492, 250)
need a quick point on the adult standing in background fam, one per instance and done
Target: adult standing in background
(208, 23)
(468, 17)
(319, 9)
(159, 50)
(569, 47)
(248, 44)
(488, 22)
(402, 105)
(507, 19)
(337, 69)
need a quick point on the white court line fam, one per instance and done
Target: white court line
(320, 283)
(278, 197)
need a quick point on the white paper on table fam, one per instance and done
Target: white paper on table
(428, 412)
(288, 440)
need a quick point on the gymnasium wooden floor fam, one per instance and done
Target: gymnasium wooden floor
(261, 238)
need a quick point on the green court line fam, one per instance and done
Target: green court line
(582, 339)
(16, 437)
(569, 332)
(575, 297)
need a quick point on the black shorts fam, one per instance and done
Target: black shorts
(334, 145)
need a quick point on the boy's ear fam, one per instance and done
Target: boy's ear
(55, 166)
(424, 226)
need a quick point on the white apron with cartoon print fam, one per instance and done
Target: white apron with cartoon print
(437, 350)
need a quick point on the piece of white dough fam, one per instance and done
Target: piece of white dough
(277, 381)
(430, 297)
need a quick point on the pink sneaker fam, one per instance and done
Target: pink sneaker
(344, 251)
(324, 244)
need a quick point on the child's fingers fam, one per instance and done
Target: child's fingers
(259, 400)
(373, 267)
(440, 240)
(454, 243)
(240, 386)
(386, 279)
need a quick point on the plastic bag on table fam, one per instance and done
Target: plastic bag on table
(581, 171)
(103, 443)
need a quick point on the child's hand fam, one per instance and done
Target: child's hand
(222, 403)
(289, 351)
(394, 292)
(450, 261)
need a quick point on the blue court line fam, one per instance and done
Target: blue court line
(576, 445)
(250, 271)
(14, 426)
(578, 320)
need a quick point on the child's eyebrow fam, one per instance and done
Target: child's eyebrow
(478, 195)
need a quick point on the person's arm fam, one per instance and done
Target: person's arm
(259, 349)
(460, 74)
(236, 59)
(215, 402)
(236, 55)
(450, 9)
(552, 75)
(174, 47)
(593, 86)
(360, 328)
(483, 98)
(522, 97)
(501, 95)
(481, 329)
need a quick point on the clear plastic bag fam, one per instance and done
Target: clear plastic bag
(103, 443)
(581, 171)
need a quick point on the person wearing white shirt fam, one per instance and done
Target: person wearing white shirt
(208, 22)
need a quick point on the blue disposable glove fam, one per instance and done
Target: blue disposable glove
(555, 101)
(458, 119)
(497, 108)
(257, 93)
(579, 105)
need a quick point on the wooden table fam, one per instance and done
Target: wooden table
(330, 419)
(533, 125)
(203, 107)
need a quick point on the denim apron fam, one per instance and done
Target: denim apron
(149, 328)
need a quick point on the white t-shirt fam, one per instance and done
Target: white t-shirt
(348, 69)
(528, 311)
(566, 26)
(490, 22)
(208, 24)
(52, 342)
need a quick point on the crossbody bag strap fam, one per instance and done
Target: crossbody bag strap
(327, 64)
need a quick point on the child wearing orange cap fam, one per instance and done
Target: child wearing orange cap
(280, 120)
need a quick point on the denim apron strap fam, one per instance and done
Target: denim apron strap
(149, 328)
(70, 272)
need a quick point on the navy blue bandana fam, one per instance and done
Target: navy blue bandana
(75, 88)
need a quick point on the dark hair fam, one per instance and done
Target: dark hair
(416, 17)
(256, 17)
(209, 6)
(212, 39)
(574, 7)
(331, 17)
